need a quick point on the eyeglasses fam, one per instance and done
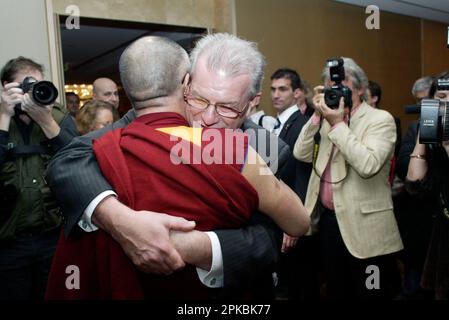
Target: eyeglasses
(225, 110)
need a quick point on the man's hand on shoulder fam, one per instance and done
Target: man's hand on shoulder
(143, 235)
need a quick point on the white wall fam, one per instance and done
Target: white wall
(24, 32)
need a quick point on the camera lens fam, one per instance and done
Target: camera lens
(444, 121)
(332, 98)
(44, 93)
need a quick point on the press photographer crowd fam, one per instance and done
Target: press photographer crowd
(342, 207)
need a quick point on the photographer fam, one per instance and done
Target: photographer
(412, 210)
(30, 133)
(350, 145)
(428, 174)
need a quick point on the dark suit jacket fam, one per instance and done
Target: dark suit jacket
(295, 173)
(75, 178)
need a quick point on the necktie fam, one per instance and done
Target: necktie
(277, 125)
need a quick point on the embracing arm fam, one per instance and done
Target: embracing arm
(276, 199)
(254, 249)
(241, 255)
(75, 178)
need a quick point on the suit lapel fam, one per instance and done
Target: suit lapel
(288, 124)
(361, 112)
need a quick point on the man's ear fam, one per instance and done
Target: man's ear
(375, 99)
(361, 93)
(297, 93)
(256, 100)
(253, 103)
(185, 81)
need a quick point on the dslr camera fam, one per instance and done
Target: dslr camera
(333, 94)
(434, 119)
(42, 93)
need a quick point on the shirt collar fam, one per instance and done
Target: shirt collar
(283, 116)
(256, 116)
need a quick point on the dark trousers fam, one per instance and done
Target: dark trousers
(24, 265)
(347, 276)
(299, 270)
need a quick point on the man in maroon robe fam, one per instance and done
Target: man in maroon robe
(138, 163)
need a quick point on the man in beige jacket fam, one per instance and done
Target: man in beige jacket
(349, 196)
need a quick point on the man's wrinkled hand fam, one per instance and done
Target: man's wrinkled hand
(40, 114)
(144, 237)
(333, 116)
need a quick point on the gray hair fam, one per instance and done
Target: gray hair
(152, 67)
(422, 84)
(232, 54)
(358, 76)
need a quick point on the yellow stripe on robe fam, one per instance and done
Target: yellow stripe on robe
(187, 133)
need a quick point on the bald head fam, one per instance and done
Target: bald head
(104, 89)
(151, 68)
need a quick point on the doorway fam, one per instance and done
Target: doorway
(94, 50)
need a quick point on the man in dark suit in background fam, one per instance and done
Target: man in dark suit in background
(288, 98)
(298, 271)
(245, 257)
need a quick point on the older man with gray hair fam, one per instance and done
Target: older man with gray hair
(421, 88)
(348, 195)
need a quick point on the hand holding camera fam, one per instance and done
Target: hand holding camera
(41, 94)
(332, 115)
(333, 95)
(40, 114)
(318, 95)
(33, 98)
(11, 95)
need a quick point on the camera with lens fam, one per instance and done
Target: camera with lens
(434, 121)
(42, 93)
(333, 94)
(434, 118)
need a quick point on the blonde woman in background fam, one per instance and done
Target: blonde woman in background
(95, 115)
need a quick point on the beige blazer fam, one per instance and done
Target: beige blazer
(362, 201)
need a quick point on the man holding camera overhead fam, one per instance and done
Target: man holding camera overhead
(350, 145)
(32, 129)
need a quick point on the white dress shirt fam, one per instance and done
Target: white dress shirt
(283, 117)
(268, 122)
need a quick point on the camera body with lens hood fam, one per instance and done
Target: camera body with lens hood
(434, 117)
(43, 93)
(333, 94)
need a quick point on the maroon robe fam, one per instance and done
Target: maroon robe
(136, 161)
